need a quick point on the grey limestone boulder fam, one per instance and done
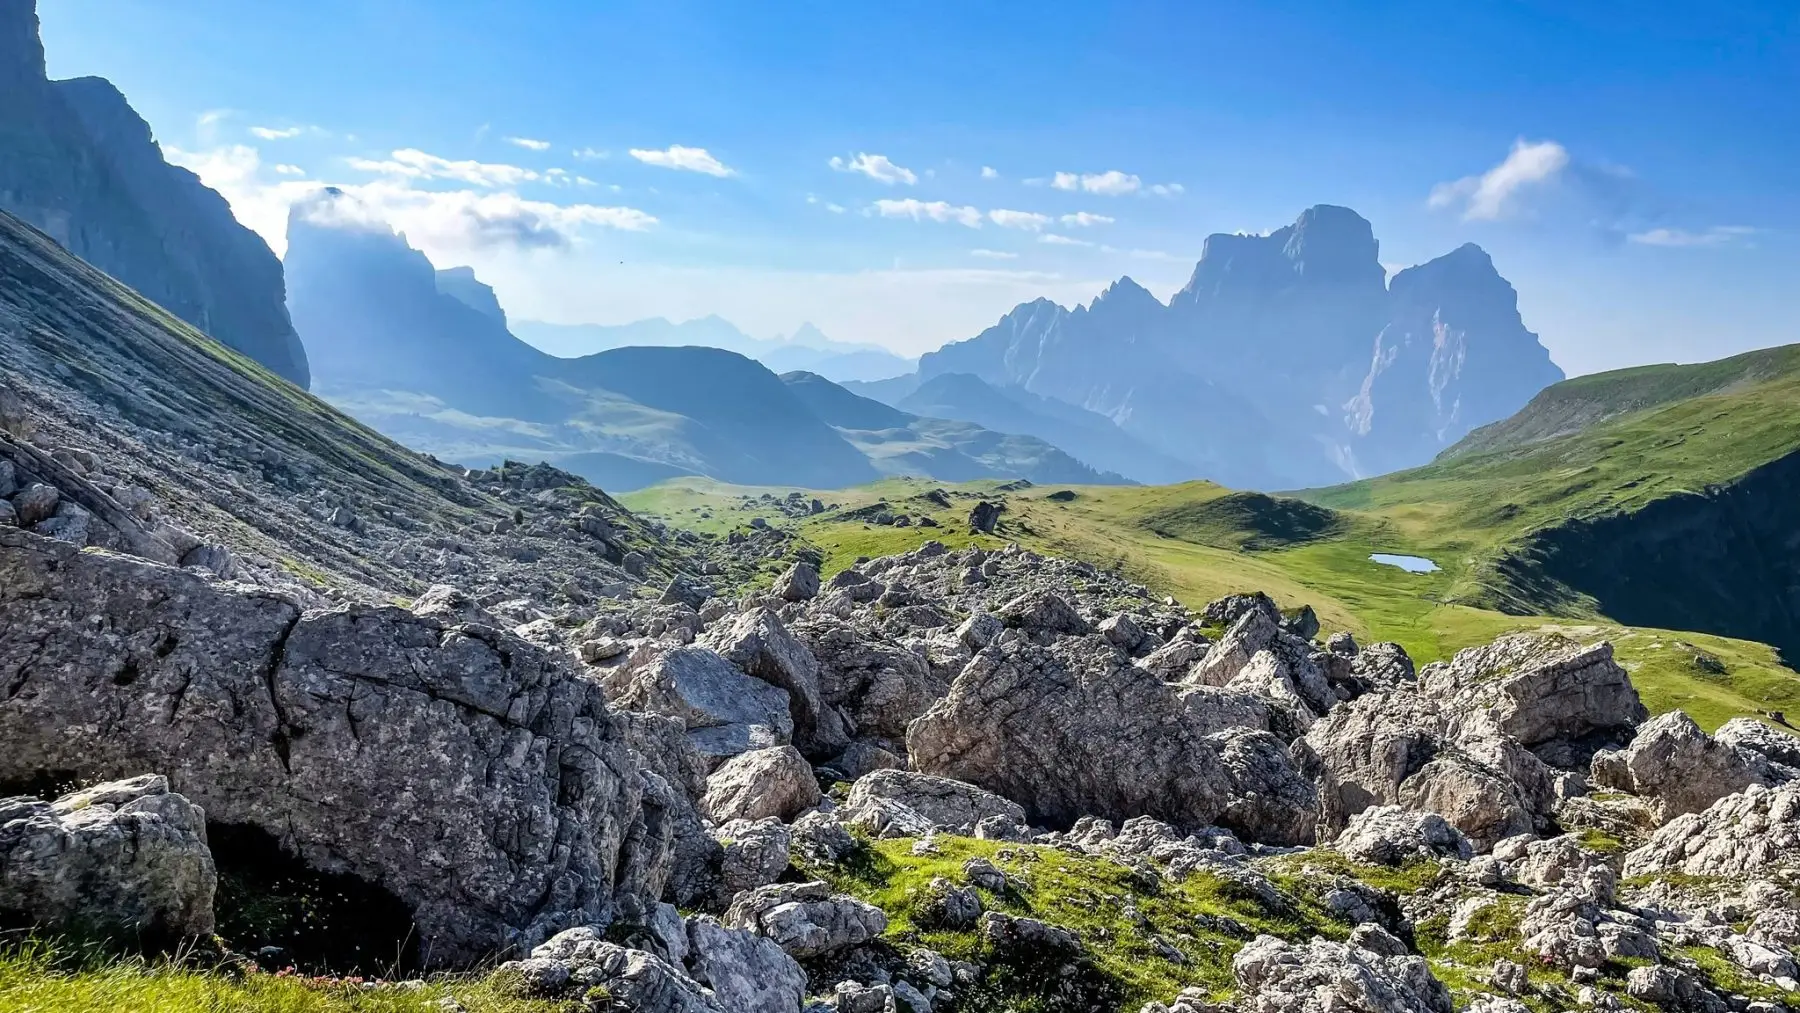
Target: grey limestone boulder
(127, 857)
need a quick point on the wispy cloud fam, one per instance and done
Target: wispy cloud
(936, 211)
(877, 167)
(528, 143)
(277, 133)
(683, 158)
(1083, 219)
(411, 163)
(994, 254)
(989, 172)
(836, 209)
(1167, 189)
(1110, 183)
(591, 154)
(1030, 221)
(1054, 239)
(446, 223)
(466, 220)
(1499, 192)
(1718, 235)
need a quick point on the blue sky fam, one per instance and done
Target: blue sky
(1630, 166)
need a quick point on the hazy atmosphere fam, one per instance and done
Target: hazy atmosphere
(904, 177)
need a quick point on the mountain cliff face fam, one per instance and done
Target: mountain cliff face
(79, 163)
(1287, 360)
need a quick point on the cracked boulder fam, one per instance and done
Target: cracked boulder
(472, 775)
(1075, 729)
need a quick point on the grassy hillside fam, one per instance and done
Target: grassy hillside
(1198, 541)
(1586, 401)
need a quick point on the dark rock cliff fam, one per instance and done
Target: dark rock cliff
(79, 163)
(1725, 560)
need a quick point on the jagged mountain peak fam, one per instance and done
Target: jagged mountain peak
(1125, 291)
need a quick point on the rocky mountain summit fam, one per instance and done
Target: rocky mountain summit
(79, 163)
(1288, 360)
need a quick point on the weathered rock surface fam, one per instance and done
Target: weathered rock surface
(759, 643)
(761, 783)
(126, 856)
(474, 776)
(1681, 769)
(1540, 689)
(806, 919)
(725, 711)
(947, 805)
(1390, 835)
(1753, 831)
(1325, 977)
(1075, 730)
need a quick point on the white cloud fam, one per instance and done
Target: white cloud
(446, 224)
(680, 157)
(1082, 219)
(836, 209)
(989, 172)
(876, 167)
(1497, 193)
(1111, 183)
(591, 154)
(1718, 235)
(290, 170)
(1055, 240)
(1030, 221)
(528, 143)
(235, 170)
(412, 163)
(994, 254)
(275, 134)
(918, 210)
(1168, 189)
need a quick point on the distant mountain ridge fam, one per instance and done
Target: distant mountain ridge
(806, 349)
(426, 356)
(77, 162)
(1287, 360)
(947, 449)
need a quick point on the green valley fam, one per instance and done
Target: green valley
(1507, 521)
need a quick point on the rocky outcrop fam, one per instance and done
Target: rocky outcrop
(1072, 731)
(759, 643)
(125, 857)
(1323, 977)
(1453, 746)
(1546, 691)
(946, 805)
(1750, 832)
(759, 784)
(806, 919)
(472, 775)
(1390, 835)
(725, 711)
(1681, 769)
(82, 165)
